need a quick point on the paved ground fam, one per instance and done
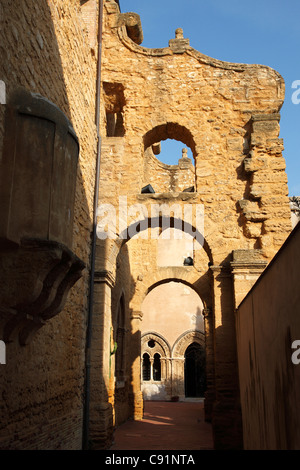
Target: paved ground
(166, 426)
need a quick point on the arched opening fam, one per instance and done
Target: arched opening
(170, 151)
(194, 371)
(146, 367)
(156, 368)
(168, 159)
(120, 340)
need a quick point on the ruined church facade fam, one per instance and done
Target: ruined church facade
(228, 116)
(160, 255)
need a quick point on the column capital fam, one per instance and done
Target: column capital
(220, 270)
(207, 312)
(106, 277)
(247, 261)
(136, 315)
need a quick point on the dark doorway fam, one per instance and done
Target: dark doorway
(194, 371)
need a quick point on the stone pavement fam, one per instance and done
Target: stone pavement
(166, 426)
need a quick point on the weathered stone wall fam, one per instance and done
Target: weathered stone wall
(267, 323)
(227, 114)
(44, 48)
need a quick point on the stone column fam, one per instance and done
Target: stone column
(163, 365)
(178, 377)
(135, 393)
(151, 368)
(226, 415)
(101, 412)
(209, 357)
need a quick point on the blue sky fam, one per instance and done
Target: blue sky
(258, 32)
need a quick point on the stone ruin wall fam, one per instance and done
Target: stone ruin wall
(46, 49)
(231, 125)
(228, 115)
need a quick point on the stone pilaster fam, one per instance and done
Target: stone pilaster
(210, 369)
(136, 396)
(101, 410)
(226, 414)
(246, 267)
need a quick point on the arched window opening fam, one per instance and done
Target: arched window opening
(114, 107)
(156, 368)
(169, 152)
(146, 367)
(194, 371)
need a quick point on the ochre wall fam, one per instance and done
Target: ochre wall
(45, 48)
(228, 115)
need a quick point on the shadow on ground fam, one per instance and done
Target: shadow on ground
(166, 426)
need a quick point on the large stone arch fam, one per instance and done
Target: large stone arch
(174, 379)
(187, 276)
(199, 281)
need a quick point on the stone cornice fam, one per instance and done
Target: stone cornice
(204, 59)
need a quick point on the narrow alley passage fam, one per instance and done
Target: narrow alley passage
(166, 426)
